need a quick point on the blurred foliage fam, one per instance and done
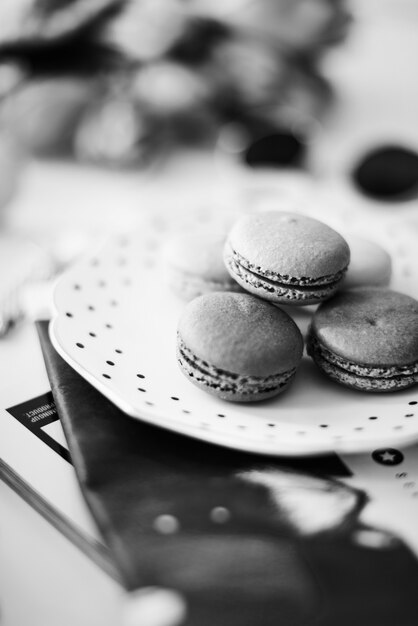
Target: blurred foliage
(110, 81)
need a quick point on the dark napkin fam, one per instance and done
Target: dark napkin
(247, 540)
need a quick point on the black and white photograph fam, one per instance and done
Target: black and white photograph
(208, 313)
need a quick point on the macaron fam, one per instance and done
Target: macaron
(238, 347)
(370, 264)
(367, 339)
(194, 264)
(286, 257)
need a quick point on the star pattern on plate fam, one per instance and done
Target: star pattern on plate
(387, 456)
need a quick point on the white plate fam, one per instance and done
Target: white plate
(116, 325)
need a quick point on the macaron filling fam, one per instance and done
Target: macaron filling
(228, 382)
(282, 284)
(361, 375)
(284, 279)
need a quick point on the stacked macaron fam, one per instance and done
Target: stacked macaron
(286, 257)
(234, 345)
(370, 264)
(194, 265)
(242, 347)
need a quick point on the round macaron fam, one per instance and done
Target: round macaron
(370, 265)
(367, 338)
(238, 347)
(286, 257)
(194, 265)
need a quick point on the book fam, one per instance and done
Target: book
(244, 538)
(34, 457)
(155, 508)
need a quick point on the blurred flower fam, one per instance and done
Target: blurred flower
(187, 67)
(11, 76)
(167, 88)
(48, 20)
(11, 166)
(244, 72)
(145, 29)
(295, 25)
(42, 114)
(113, 133)
(307, 92)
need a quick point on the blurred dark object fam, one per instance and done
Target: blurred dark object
(200, 36)
(388, 173)
(52, 38)
(187, 68)
(277, 149)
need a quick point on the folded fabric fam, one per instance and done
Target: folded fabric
(246, 540)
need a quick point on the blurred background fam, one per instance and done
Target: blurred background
(110, 81)
(101, 100)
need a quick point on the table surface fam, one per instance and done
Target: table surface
(44, 579)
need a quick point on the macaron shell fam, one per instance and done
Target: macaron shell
(289, 244)
(189, 286)
(370, 264)
(241, 334)
(370, 326)
(194, 264)
(198, 253)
